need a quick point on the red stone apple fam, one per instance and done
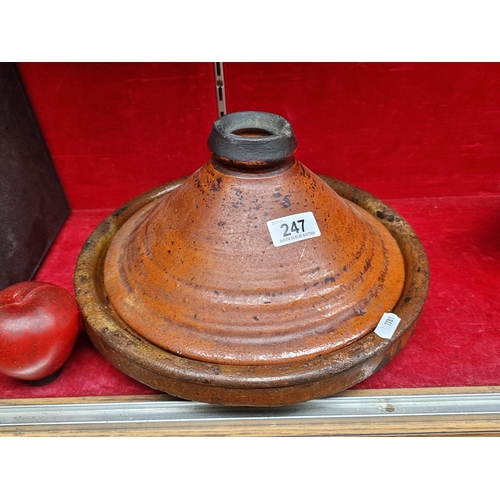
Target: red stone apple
(39, 324)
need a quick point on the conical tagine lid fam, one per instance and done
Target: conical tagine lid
(253, 259)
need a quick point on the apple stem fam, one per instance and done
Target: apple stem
(18, 298)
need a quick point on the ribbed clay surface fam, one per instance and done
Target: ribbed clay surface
(197, 274)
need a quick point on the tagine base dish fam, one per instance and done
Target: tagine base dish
(246, 385)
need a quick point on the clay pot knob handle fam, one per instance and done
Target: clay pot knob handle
(252, 138)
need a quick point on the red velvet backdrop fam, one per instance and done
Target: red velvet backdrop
(422, 137)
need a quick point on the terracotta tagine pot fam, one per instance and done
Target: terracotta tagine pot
(253, 281)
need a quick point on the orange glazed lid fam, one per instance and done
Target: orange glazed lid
(253, 259)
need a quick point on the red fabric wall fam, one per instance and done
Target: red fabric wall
(397, 130)
(115, 130)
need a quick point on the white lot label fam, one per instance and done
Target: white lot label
(293, 228)
(387, 325)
